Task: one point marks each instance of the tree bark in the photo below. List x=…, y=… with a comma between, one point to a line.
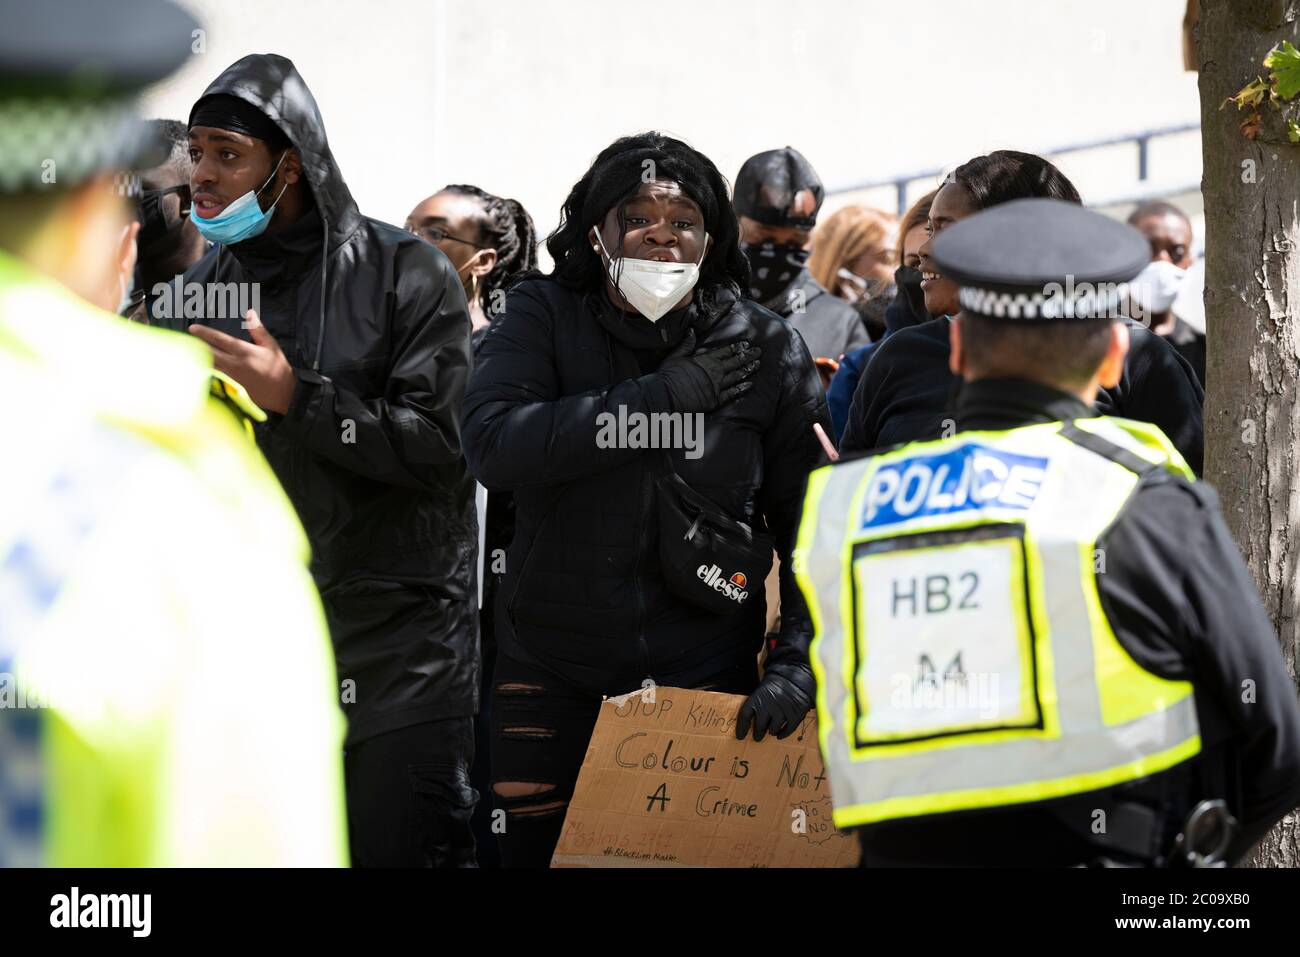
x=1252, y=291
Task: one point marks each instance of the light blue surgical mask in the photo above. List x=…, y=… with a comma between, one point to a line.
x=242, y=219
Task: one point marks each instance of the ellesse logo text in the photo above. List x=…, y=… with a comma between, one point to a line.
x=733, y=588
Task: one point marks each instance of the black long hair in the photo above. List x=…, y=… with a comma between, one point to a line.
x=505, y=226
x=614, y=178
x=1004, y=175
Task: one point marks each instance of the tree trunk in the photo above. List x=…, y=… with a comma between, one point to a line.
x=1252, y=425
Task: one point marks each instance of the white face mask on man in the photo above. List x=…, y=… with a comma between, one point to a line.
x=652, y=288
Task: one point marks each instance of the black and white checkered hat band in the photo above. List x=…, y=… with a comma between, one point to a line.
x=48, y=141
x=127, y=184
x=1068, y=300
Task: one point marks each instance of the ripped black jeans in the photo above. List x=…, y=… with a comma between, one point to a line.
x=541, y=727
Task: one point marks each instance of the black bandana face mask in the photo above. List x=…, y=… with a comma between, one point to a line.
x=772, y=267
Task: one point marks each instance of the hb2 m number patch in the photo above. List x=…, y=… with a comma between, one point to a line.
x=943, y=642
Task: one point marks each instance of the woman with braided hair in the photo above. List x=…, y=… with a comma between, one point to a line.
x=490, y=241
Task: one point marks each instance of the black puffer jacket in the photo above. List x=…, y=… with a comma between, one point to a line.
x=583, y=592
x=369, y=450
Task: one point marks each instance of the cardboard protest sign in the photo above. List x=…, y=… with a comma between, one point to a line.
x=666, y=784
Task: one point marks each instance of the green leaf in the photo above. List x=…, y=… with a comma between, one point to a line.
x=1252, y=94
x=1284, y=62
x=1292, y=131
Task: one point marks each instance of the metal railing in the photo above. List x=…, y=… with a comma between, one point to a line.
x=1142, y=139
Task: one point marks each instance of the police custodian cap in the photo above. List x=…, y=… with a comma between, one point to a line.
x=70, y=71
x=1041, y=259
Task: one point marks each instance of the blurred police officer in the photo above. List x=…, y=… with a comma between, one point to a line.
x=147, y=716
x=1036, y=643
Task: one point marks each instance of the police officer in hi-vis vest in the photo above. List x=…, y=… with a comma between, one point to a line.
x=1036, y=643
x=167, y=685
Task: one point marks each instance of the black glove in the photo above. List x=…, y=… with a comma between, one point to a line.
x=701, y=381
x=779, y=703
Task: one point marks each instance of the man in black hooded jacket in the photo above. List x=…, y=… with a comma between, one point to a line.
x=361, y=364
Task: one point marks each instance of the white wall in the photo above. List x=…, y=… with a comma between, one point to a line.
x=517, y=96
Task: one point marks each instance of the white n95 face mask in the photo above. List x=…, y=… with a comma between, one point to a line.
x=652, y=288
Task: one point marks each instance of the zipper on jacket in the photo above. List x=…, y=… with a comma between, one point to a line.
x=647, y=489
x=647, y=494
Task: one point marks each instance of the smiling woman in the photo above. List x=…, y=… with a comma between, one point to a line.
x=642, y=319
x=985, y=181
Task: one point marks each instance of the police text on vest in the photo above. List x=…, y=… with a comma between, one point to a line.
x=967, y=477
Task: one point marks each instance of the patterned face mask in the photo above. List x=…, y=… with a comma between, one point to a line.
x=772, y=267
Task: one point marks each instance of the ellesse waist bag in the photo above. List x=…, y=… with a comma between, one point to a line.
x=708, y=558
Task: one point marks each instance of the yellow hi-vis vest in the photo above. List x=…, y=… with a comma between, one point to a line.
x=167, y=685
x=962, y=655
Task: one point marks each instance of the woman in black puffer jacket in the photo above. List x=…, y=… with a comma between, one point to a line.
x=620, y=330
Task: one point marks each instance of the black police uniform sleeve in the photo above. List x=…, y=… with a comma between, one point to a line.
x=790, y=451
x=1160, y=387
x=519, y=431
x=1183, y=604
x=405, y=435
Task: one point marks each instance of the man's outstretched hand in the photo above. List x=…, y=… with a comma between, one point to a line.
x=259, y=366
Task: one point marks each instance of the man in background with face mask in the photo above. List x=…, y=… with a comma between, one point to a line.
x=168, y=244
x=1156, y=290
x=360, y=356
x=777, y=196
